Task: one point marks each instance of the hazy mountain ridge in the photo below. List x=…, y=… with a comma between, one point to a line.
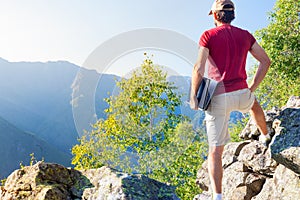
x=17, y=145
x=37, y=97
x=36, y=94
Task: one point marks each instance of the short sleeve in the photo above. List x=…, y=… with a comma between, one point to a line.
x=204, y=40
x=251, y=39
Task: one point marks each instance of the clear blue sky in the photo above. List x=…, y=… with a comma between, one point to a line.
x=70, y=30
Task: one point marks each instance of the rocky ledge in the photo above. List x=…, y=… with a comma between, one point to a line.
x=251, y=171
x=255, y=172
x=48, y=181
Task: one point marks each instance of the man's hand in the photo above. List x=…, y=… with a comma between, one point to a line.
x=193, y=102
x=264, y=63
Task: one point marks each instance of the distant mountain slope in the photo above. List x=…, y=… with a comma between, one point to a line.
x=16, y=146
x=36, y=97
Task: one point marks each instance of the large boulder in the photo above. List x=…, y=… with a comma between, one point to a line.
x=285, y=147
x=239, y=180
x=45, y=181
x=257, y=158
x=251, y=131
x=284, y=185
x=111, y=184
x=253, y=171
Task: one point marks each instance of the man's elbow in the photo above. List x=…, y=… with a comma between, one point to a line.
x=266, y=63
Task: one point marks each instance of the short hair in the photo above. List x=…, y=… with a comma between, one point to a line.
x=225, y=16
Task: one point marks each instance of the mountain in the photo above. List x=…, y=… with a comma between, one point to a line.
x=35, y=98
x=56, y=101
x=17, y=145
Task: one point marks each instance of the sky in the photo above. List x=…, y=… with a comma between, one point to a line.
x=70, y=30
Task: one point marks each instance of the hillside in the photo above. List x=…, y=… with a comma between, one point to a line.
x=251, y=171
x=16, y=147
x=35, y=98
x=39, y=98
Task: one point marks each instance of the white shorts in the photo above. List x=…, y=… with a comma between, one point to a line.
x=218, y=113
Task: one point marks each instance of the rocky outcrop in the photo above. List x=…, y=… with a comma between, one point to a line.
x=255, y=172
x=45, y=181
x=111, y=184
x=251, y=171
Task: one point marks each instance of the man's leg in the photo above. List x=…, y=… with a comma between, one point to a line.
x=215, y=169
x=258, y=115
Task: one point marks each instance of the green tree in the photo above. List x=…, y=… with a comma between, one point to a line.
x=144, y=133
x=140, y=119
x=280, y=39
x=189, y=149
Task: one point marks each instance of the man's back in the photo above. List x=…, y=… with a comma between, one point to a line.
x=228, y=47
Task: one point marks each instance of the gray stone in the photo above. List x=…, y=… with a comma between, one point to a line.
x=267, y=191
x=41, y=181
x=285, y=146
x=252, y=171
x=251, y=131
x=231, y=152
x=238, y=184
x=203, y=196
x=44, y=181
x=287, y=184
x=202, y=179
x=284, y=186
x=233, y=177
x=111, y=184
x=257, y=158
x=293, y=102
x=290, y=158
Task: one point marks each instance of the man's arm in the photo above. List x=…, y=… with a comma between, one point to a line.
x=198, y=72
x=264, y=63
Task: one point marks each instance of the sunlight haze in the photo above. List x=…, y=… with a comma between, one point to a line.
x=71, y=30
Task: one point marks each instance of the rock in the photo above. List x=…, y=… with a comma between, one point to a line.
x=203, y=196
x=202, y=179
x=293, y=102
x=252, y=171
x=257, y=158
x=284, y=186
x=44, y=181
x=251, y=131
x=111, y=184
x=290, y=158
x=229, y=182
x=231, y=152
x=243, y=185
x=285, y=147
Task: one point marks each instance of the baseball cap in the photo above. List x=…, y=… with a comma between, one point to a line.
x=219, y=5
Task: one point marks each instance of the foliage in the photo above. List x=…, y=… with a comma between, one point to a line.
x=140, y=119
x=280, y=39
x=189, y=148
x=2, y=182
x=144, y=133
x=236, y=129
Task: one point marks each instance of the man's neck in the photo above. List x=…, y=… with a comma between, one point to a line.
x=217, y=23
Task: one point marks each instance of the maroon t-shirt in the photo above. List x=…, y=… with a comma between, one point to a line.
x=228, y=48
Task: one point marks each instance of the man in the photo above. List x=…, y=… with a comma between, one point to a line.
x=225, y=49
